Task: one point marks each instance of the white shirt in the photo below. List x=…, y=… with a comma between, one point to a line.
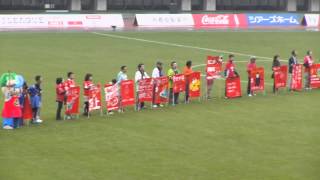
x=155, y=73
x=138, y=76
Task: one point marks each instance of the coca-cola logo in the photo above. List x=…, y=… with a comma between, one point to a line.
x=211, y=20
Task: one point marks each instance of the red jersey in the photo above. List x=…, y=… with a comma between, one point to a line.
x=69, y=83
x=230, y=69
x=250, y=67
x=60, y=92
x=87, y=86
x=309, y=61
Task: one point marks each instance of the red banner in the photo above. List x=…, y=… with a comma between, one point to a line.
x=280, y=76
x=145, y=90
x=72, y=104
x=214, y=67
x=315, y=76
x=127, y=93
x=112, y=96
x=233, y=87
x=257, y=79
x=179, y=83
x=194, y=86
x=95, y=98
x=219, y=20
x=161, y=90
x=297, y=77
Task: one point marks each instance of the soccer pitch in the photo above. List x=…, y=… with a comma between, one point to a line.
x=262, y=137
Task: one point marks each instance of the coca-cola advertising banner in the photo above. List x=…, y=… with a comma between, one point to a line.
x=220, y=20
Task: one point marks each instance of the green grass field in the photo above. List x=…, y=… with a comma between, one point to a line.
x=264, y=137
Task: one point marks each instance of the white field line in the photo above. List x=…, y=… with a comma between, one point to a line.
x=264, y=59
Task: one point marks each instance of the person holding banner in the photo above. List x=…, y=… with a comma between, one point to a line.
x=171, y=72
x=122, y=75
x=212, y=73
x=275, y=63
x=292, y=61
x=60, y=95
x=156, y=73
x=35, y=92
x=307, y=63
x=87, y=87
x=230, y=70
x=69, y=83
x=140, y=74
x=250, y=66
x=187, y=71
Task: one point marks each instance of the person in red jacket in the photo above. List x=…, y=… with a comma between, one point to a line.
x=60, y=96
x=230, y=70
x=250, y=66
x=307, y=62
x=87, y=87
x=69, y=83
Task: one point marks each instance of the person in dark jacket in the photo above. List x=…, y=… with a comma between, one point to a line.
x=275, y=63
x=292, y=61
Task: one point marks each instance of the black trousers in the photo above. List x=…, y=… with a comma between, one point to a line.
x=59, y=109
x=174, y=96
x=249, y=86
x=86, y=108
x=187, y=92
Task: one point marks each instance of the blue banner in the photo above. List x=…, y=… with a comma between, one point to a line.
x=282, y=19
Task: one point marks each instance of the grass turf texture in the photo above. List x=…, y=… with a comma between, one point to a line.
x=265, y=137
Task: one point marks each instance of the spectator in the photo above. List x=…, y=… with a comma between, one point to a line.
x=292, y=61
x=307, y=63
x=156, y=73
x=173, y=97
x=35, y=92
x=140, y=74
x=87, y=87
x=187, y=71
x=251, y=65
x=275, y=63
x=60, y=95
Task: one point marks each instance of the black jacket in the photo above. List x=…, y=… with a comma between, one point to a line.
x=292, y=61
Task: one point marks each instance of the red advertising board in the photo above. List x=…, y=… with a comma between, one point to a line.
x=257, y=79
x=219, y=20
x=95, y=98
x=214, y=67
x=233, y=87
x=127, y=93
x=179, y=83
x=195, y=84
x=145, y=90
x=112, y=96
x=315, y=76
x=297, y=77
x=72, y=104
x=161, y=90
x=280, y=76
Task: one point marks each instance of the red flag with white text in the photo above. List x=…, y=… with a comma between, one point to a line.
x=161, y=90
x=296, y=83
x=112, y=96
x=127, y=93
x=145, y=90
x=73, y=100
x=233, y=87
x=179, y=83
x=315, y=76
x=95, y=98
x=280, y=76
x=214, y=67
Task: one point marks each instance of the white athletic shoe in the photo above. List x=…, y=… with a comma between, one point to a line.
x=7, y=127
x=249, y=95
x=38, y=121
x=161, y=105
x=155, y=106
